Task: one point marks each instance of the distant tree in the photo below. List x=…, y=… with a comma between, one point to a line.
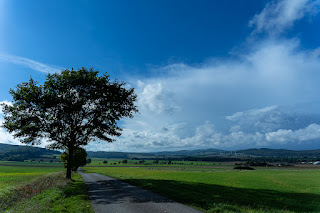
x=70, y=109
x=125, y=161
x=88, y=160
x=79, y=158
x=105, y=162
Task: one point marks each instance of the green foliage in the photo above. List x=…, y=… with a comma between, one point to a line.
x=71, y=109
x=79, y=158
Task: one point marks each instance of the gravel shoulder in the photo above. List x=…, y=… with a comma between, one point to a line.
x=112, y=195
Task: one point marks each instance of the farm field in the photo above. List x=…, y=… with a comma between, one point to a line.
x=217, y=187
x=15, y=174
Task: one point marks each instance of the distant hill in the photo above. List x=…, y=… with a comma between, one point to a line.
x=212, y=153
x=264, y=152
x=166, y=154
x=20, y=153
x=199, y=152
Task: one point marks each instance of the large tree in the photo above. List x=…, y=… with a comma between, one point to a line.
x=69, y=110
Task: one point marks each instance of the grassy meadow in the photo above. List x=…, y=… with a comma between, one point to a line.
x=217, y=187
x=40, y=187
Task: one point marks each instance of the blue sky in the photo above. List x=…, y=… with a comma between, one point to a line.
x=208, y=74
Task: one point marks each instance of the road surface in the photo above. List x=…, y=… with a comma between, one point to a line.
x=111, y=195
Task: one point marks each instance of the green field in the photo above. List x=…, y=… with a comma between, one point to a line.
x=15, y=174
x=217, y=187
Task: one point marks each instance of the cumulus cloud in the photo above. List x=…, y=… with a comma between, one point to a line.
x=310, y=132
x=278, y=16
x=154, y=97
x=35, y=65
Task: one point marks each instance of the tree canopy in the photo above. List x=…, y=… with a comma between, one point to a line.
x=79, y=158
x=70, y=109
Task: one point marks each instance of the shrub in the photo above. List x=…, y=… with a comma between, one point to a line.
x=244, y=167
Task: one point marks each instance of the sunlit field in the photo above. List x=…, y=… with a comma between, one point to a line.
x=218, y=187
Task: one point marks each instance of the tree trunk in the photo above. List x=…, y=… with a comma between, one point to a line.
x=69, y=163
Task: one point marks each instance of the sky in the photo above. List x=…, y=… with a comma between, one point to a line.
x=208, y=74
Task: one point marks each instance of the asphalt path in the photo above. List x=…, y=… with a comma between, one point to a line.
x=112, y=195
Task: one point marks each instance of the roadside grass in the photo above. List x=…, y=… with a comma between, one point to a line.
x=72, y=197
x=40, y=187
x=12, y=177
x=227, y=190
x=12, y=196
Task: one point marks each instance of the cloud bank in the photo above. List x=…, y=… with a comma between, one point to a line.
x=266, y=96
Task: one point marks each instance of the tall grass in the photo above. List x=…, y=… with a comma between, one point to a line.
x=70, y=196
x=38, y=185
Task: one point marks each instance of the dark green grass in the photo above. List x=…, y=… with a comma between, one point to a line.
x=71, y=197
x=225, y=190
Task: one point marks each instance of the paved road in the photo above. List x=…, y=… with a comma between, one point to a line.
x=111, y=195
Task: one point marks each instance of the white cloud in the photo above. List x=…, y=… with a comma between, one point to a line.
x=34, y=65
x=155, y=98
x=251, y=113
x=278, y=16
x=310, y=132
x=6, y=137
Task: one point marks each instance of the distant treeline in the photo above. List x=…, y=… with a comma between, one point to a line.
x=281, y=153
x=21, y=153
x=214, y=154
x=102, y=154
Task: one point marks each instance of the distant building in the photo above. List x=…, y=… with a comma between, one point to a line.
x=316, y=163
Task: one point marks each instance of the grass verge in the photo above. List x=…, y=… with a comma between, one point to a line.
x=67, y=196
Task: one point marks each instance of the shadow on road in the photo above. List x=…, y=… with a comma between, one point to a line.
x=114, y=191
x=207, y=196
